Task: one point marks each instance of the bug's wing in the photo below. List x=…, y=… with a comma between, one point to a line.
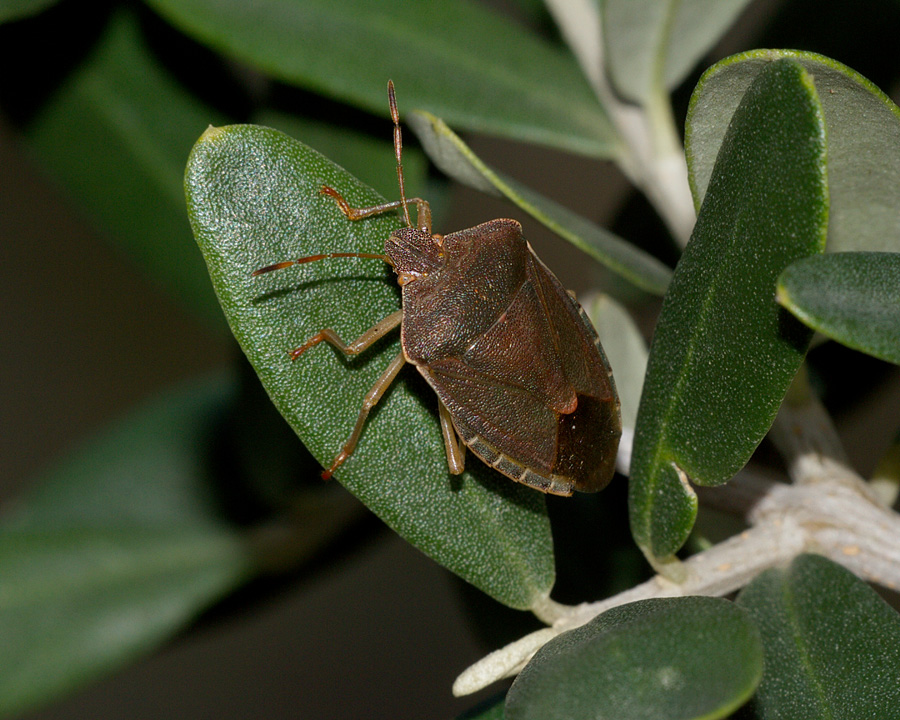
x=504, y=424
x=532, y=395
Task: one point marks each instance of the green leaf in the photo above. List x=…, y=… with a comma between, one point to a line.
x=863, y=133
x=456, y=59
x=18, y=9
x=853, y=298
x=724, y=353
x=253, y=198
x=116, y=134
x=652, y=45
x=455, y=158
x=117, y=550
x=693, y=657
x=832, y=645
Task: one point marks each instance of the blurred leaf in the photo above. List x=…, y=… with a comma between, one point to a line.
x=455, y=158
x=652, y=45
x=253, y=198
x=458, y=60
x=853, y=298
x=116, y=551
x=724, y=353
x=18, y=9
x=832, y=646
x=678, y=658
x=116, y=134
x=862, y=130
x=625, y=349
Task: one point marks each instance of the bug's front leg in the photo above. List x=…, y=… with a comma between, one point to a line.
x=423, y=209
x=367, y=339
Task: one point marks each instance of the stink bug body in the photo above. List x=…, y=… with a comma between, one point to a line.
x=516, y=365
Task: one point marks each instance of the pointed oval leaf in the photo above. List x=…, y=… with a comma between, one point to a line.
x=853, y=298
x=116, y=551
x=832, y=645
x=253, y=198
x=863, y=133
x=456, y=59
x=652, y=45
x=456, y=159
x=116, y=133
x=724, y=352
x=680, y=658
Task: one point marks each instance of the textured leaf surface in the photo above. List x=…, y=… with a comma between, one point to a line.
x=863, y=133
x=853, y=298
x=253, y=197
x=470, y=66
x=694, y=657
x=116, y=134
x=120, y=548
x=724, y=352
x=653, y=44
x=455, y=158
x=832, y=645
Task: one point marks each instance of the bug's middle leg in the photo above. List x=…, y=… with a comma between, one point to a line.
x=371, y=399
x=367, y=339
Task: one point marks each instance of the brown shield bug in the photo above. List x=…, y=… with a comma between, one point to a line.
x=517, y=367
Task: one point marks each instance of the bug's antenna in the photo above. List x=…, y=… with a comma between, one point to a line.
x=398, y=147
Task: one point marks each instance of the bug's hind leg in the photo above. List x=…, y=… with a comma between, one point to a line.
x=456, y=451
x=371, y=399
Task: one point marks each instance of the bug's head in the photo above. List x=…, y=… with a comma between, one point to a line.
x=414, y=253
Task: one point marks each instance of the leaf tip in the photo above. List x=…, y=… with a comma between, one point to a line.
x=210, y=134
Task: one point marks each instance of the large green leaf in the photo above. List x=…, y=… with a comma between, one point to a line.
x=652, y=45
x=694, y=657
x=853, y=298
x=117, y=550
x=863, y=129
x=832, y=646
x=724, y=353
x=116, y=134
x=464, y=63
x=253, y=197
x=455, y=158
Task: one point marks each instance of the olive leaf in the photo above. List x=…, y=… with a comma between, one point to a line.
x=832, y=645
x=853, y=298
x=652, y=45
x=116, y=550
x=455, y=158
x=254, y=199
x=685, y=658
x=116, y=133
x=863, y=129
x=456, y=59
x=724, y=353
